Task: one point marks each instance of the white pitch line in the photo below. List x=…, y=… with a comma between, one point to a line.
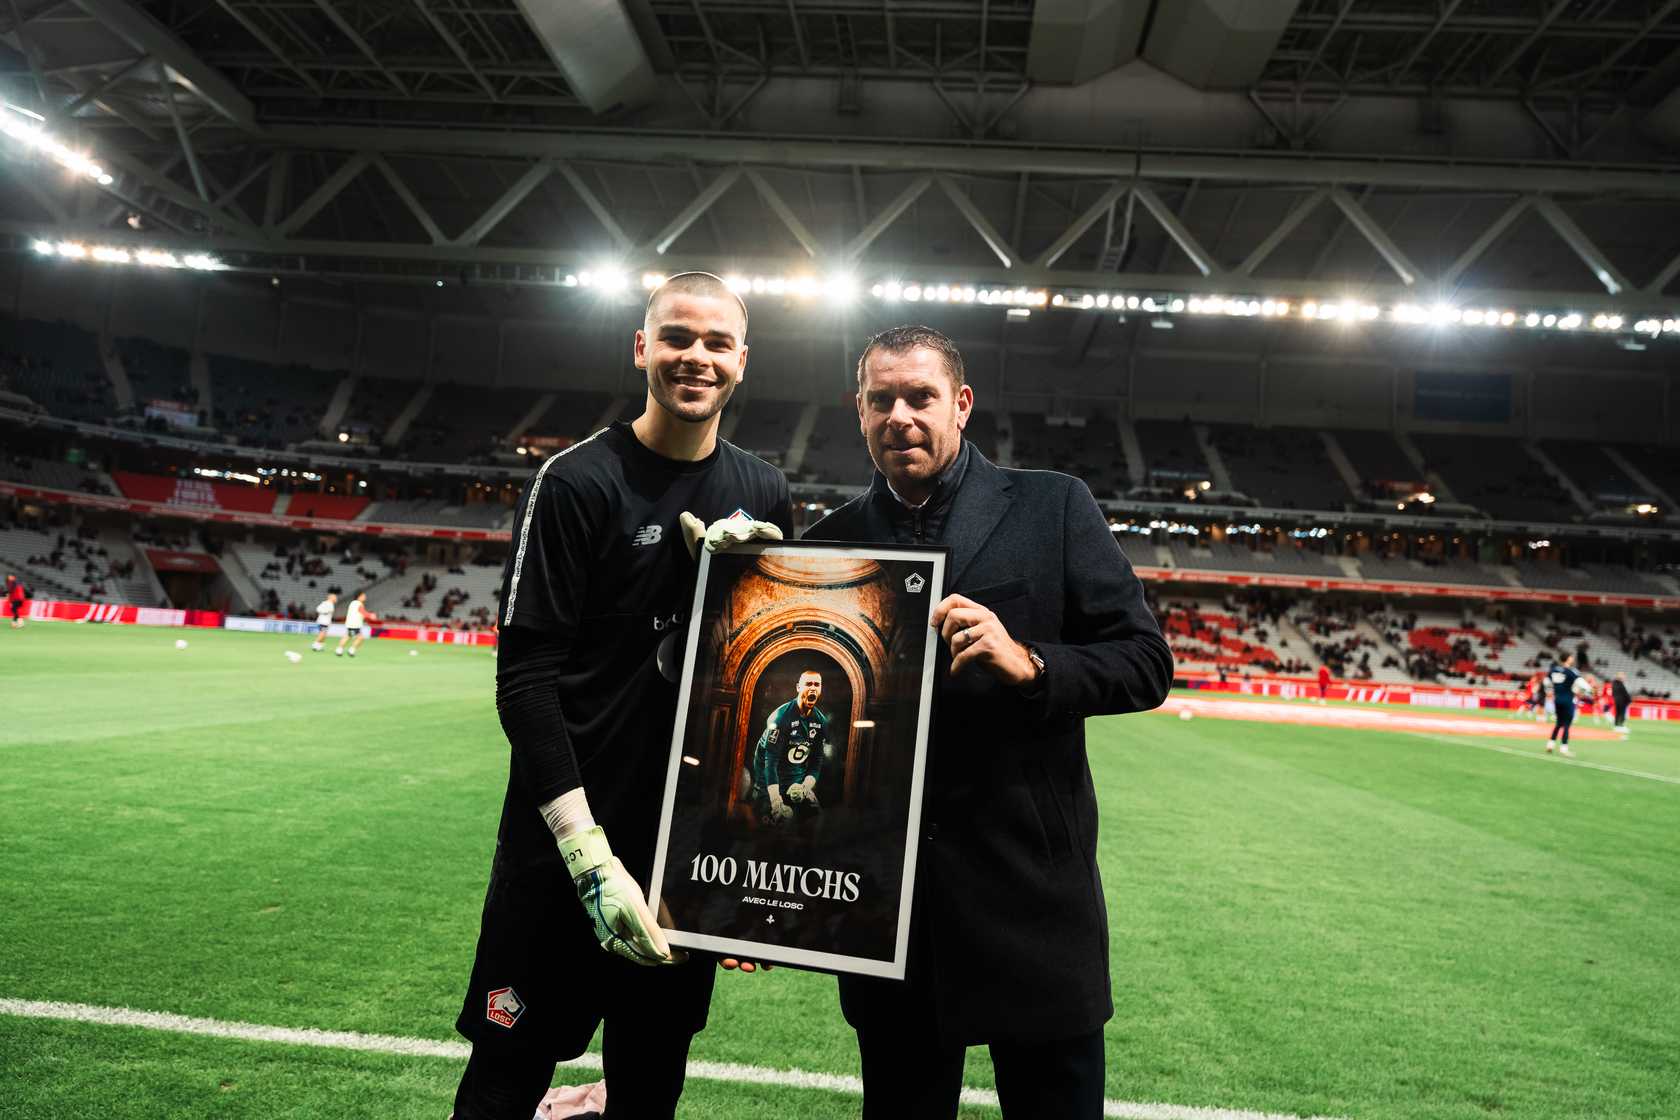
x=430, y=1048
x=1460, y=742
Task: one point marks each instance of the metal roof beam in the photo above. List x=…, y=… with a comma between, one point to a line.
x=889, y=214
x=503, y=206
x=269, y=44
x=785, y=214
x=691, y=213
x=1482, y=244
x=999, y=158
x=1372, y=232
x=420, y=213
x=1290, y=222
x=325, y=193
x=1000, y=248
x=1069, y=236
x=360, y=43
x=133, y=24
x=596, y=207
x=455, y=48
x=1585, y=248
x=1199, y=256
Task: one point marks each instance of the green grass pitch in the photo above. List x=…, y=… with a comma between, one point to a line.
x=1304, y=920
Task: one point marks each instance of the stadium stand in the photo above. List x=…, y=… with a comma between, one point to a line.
x=1343, y=639
x=1235, y=638
x=1084, y=443
x=1612, y=578
x=571, y=415
x=1497, y=475
x=1594, y=472
x=1400, y=570
x=1469, y=648
x=294, y=575
x=1226, y=556
x=57, y=367
x=375, y=403
x=461, y=423
x=157, y=372
x=1659, y=464
x=1169, y=446
x=982, y=430
x=60, y=557
x=766, y=428
x=1378, y=460
x=265, y=405
x=440, y=511
x=1647, y=652
x=460, y=595
x=1284, y=468
x=835, y=454
x=54, y=475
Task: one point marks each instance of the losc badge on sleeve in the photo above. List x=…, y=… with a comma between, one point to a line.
x=793, y=795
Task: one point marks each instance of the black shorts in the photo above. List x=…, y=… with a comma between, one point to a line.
x=352, y=631
x=17, y=607
x=542, y=983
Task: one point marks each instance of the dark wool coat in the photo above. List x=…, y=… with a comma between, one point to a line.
x=1012, y=930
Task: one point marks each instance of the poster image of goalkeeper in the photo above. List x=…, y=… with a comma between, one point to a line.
x=792, y=802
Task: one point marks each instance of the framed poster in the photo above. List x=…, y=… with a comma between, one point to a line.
x=793, y=799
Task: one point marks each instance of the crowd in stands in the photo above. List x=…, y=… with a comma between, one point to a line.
x=1336, y=639
x=1237, y=638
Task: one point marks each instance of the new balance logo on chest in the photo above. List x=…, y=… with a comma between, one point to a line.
x=648, y=534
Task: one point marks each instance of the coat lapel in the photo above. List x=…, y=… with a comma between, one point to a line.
x=980, y=504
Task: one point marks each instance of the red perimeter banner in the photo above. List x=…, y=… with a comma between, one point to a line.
x=194, y=493
x=57, y=610
x=1374, y=692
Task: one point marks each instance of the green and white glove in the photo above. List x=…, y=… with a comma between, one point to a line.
x=613, y=900
x=779, y=810
x=724, y=534
x=808, y=793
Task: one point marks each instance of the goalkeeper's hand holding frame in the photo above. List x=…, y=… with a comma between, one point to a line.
x=611, y=897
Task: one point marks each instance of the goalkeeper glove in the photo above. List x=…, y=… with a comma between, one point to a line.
x=808, y=792
x=613, y=900
x=725, y=533
x=779, y=810
x=796, y=793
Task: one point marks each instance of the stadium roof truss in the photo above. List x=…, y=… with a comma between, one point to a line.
x=475, y=140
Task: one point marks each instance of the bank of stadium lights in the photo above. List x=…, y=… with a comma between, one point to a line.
x=29, y=128
x=115, y=254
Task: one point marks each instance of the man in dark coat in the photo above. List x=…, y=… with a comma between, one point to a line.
x=1043, y=624
x=1620, y=699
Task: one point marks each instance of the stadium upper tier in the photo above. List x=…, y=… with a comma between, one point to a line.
x=68, y=372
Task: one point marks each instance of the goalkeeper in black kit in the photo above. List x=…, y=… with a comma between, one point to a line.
x=788, y=760
x=594, y=598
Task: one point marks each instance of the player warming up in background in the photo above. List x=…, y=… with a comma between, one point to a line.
x=789, y=757
x=354, y=616
x=1565, y=684
x=594, y=600
x=16, y=593
x=323, y=620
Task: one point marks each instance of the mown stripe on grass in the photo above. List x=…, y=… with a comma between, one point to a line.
x=432, y=1048
x=1458, y=741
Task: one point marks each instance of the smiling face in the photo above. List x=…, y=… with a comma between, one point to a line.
x=912, y=416
x=694, y=350
x=808, y=691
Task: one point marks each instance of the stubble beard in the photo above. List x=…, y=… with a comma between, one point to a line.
x=666, y=398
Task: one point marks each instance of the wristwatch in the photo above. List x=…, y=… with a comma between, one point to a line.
x=1032, y=686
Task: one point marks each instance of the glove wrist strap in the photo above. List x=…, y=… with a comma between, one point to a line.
x=585, y=851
